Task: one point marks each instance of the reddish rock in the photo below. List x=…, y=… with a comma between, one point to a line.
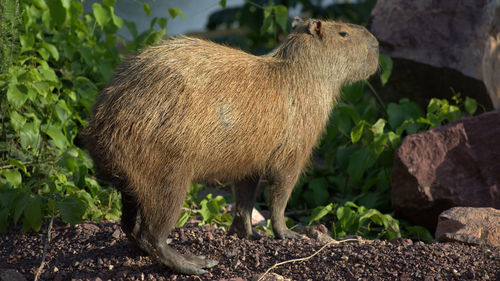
x=435, y=46
x=449, y=34
x=469, y=225
x=454, y=165
x=491, y=69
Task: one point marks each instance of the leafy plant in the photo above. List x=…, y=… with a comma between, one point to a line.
x=55, y=58
x=209, y=210
x=351, y=219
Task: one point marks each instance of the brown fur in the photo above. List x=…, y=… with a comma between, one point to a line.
x=189, y=110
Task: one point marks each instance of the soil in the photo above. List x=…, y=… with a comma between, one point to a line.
x=100, y=251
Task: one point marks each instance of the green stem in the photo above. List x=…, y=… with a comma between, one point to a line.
x=379, y=100
x=255, y=4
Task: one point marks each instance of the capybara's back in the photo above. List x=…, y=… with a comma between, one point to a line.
x=191, y=110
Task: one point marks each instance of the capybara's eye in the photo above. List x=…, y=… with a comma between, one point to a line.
x=344, y=34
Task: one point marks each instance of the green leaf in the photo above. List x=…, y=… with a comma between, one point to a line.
x=349, y=111
x=162, y=23
x=353, y=92
x=359, y=161
x=18, y=164
x=17, y=121
x=174, y=12
x=268, y=20
x=57, y=12
x=56, y=134
x=62, y=111
x=281, y=16
x=33, y=215
x=419, y=233
x=67, y=3
x=205, y=211
x=319, y=212
x=213, y=207
x=222, y=3
x=386, y=65
x=40, y=4
x=147, y=9
x=51, y=49
x=106, y=69
x=13, y=176
x=117, y=21
x=319, y=187
x=72, y=209
x=378, y=127
x=131, y=28
x=357, y=132
x=395, y=139
x=17, y=95
x=470, y=105
x=4, y=219
x=434, y=105
x=110, y=3
x=30, y=136
x=48, y=74
x=101, y=14
x=183, y=219
x=27, y=42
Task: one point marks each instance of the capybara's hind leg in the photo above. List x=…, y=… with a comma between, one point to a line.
x=131, y=220
x=159, y=214
x=163, y=253
x=244, y=195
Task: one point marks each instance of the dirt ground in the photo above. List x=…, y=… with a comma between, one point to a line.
x=100, y=251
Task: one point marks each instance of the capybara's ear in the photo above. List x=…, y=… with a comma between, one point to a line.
x=297, y=21
x=315, y=28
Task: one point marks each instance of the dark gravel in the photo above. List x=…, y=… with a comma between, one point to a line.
x=99, y=251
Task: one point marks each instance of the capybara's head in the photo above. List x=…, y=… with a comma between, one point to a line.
x=347, y=51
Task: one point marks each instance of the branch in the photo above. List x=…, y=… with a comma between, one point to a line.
x=45, y=249
x=304, y=259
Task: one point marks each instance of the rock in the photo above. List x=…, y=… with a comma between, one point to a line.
x=258, y=218
x=319, y=233
x=491, y=69
x=89, y=228
x=11, y=275
x=449, y=166
x=469, y=225
x=435, y=45
x=455, y=34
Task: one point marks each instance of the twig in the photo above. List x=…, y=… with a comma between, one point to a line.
x=45, y=249
x=304, y=259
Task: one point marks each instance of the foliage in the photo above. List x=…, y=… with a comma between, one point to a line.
x=265, y=22
x=209, y=210
x=351, y=219
x=54, y=59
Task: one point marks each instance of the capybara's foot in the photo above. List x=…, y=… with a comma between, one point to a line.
x=287, y=233
x=200, y=261
x=241, y=227
x=186, y=264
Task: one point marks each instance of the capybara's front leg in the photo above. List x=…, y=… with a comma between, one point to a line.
x=244, y=195
x=280, y=188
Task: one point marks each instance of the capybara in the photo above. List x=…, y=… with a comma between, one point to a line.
x=189, y=110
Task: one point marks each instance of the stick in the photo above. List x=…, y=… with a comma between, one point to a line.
x=45, y=249
x=304, y=259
